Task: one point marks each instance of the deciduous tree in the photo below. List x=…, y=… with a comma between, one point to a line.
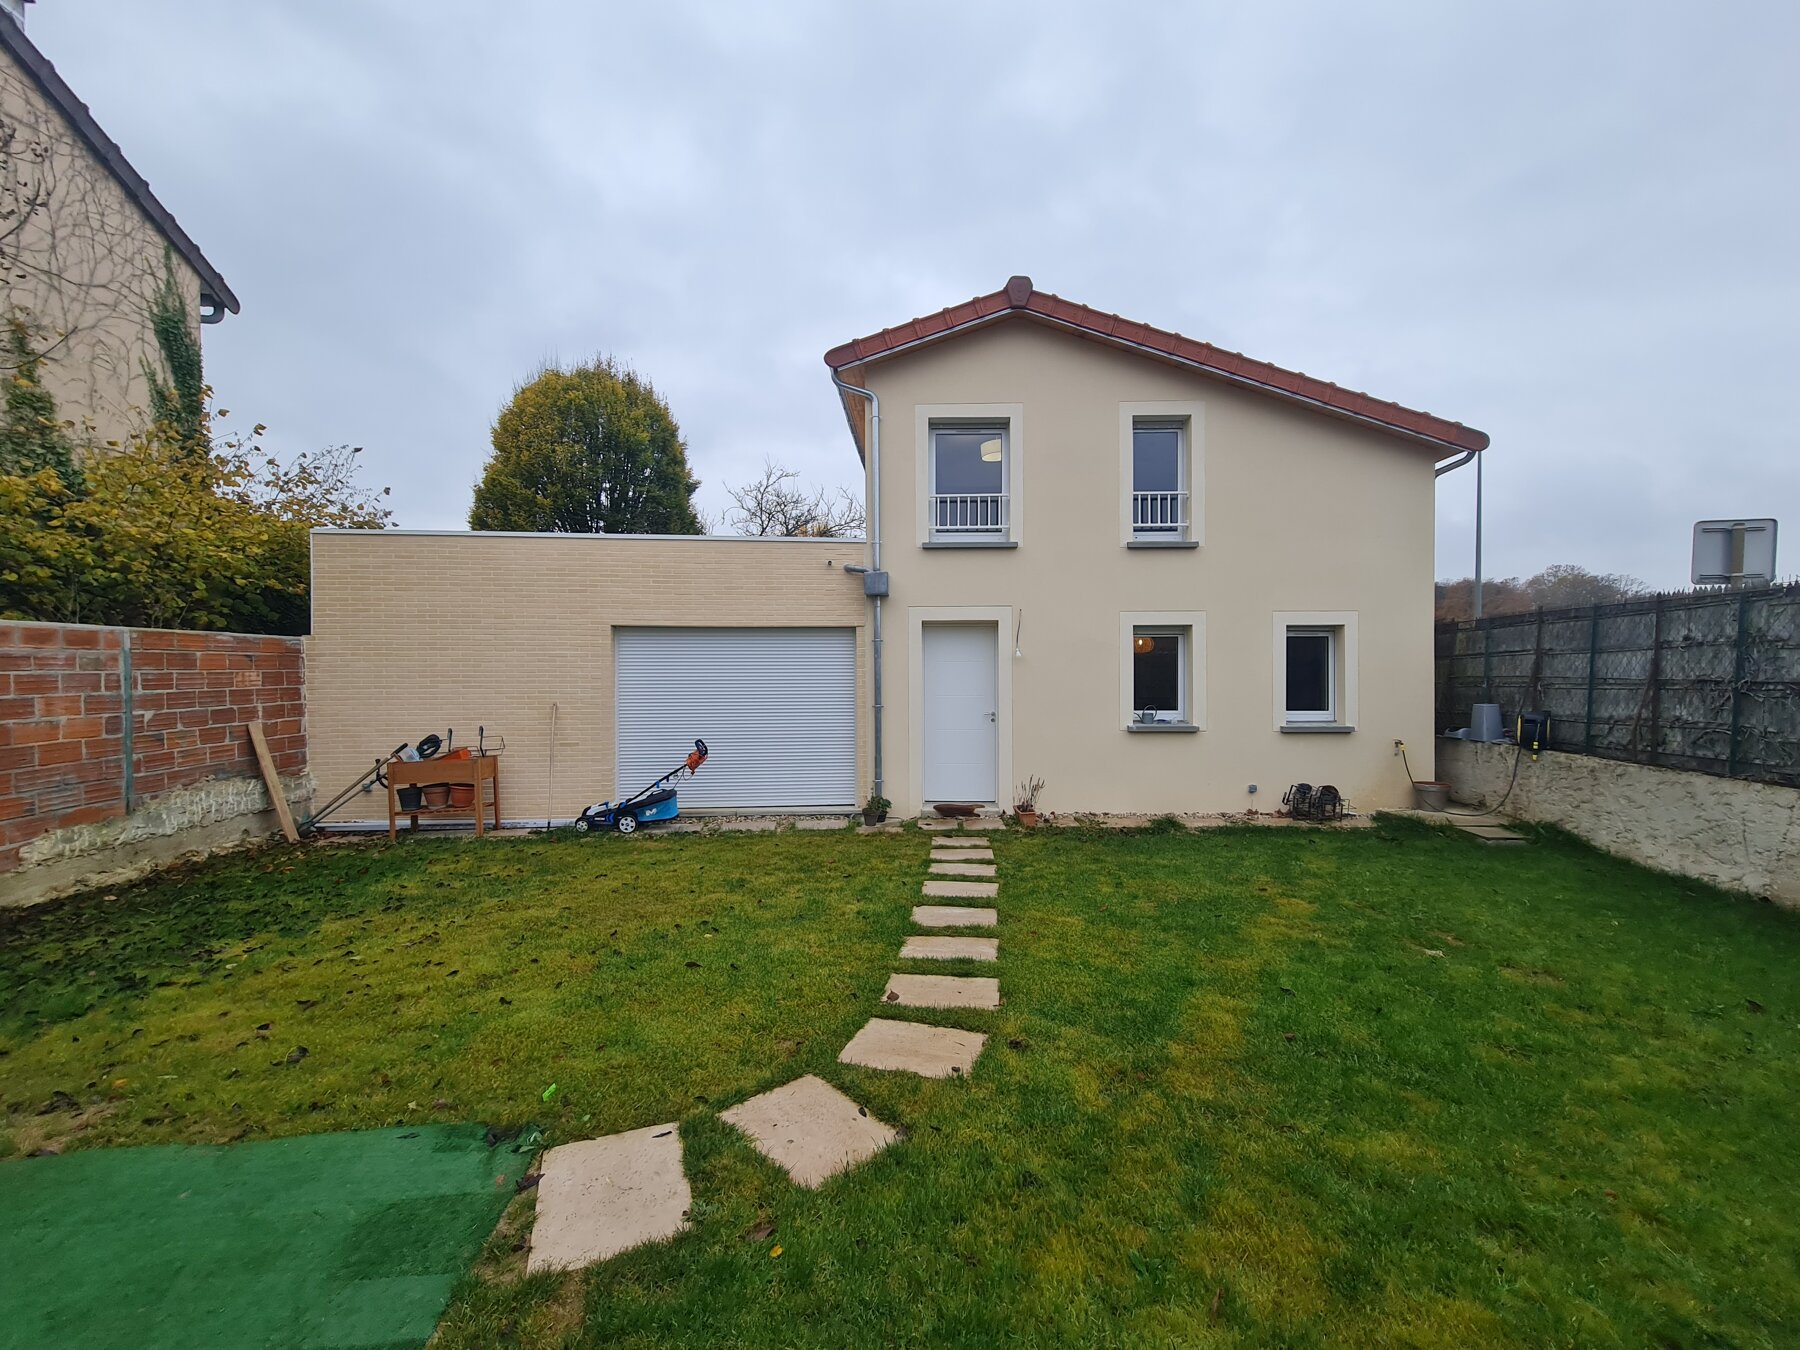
x=774, y=503
x=163, y=537
x=1559, y=586
x=588, y=450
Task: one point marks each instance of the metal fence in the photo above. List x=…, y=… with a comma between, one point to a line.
x=1708, y=681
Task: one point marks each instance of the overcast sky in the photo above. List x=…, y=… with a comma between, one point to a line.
x=1573, y=226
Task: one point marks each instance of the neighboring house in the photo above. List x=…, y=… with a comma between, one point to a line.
x=1149, y=571
x=84, y=244
x=1161, y=576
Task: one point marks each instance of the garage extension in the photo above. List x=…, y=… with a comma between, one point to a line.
x=600, y=658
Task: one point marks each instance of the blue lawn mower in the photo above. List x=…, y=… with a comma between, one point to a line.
x=648, y=806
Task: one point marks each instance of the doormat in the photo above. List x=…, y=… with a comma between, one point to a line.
x=321, y=1241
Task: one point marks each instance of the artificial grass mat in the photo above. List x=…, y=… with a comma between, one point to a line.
x=321, y=1240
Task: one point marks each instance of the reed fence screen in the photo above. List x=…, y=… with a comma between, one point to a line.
x=1707, y=681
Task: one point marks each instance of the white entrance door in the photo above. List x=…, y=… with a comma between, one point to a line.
x=960, y=703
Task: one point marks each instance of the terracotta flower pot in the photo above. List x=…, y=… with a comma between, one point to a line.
x=1027, y=815
x=462, y=794
x=437, y=794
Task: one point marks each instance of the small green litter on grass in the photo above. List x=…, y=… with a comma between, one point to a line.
x=323, y=1240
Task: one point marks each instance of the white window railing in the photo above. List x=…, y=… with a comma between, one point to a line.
x=1159, y=513
x=960, y=515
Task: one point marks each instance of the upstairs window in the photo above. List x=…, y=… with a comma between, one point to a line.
x=1159, y=488
x=969, y=483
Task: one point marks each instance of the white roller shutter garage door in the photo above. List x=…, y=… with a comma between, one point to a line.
x=776, y=706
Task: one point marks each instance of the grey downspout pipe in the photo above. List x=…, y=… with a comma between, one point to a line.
x=1451, y=467
x=874, y=550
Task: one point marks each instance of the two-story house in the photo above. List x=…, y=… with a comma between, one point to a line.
x=1153, y=573
x=1161, y=576
x=84, y=246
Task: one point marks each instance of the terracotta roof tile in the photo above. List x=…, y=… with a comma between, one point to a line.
x=1018, y=295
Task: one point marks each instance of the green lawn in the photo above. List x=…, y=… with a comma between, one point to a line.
x=1249, y=1087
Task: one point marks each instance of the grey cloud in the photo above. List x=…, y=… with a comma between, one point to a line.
x=1568, y=225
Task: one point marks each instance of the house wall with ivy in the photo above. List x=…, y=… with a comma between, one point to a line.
x=82, y=264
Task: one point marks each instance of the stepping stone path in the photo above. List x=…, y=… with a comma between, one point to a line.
x=599, y=1197
x=942, y=991
x=960, y=890
x=913, y=1047
x=810, y=1129
x=953, y=916
x=962, y=869
x=920, y=948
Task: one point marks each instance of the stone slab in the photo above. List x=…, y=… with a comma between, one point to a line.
x=810, y=1130
x=819, y=822
x=1490, y=832
x=953, y=916
x=911, y=1047
x=965, y=855
x=600, y=1197
x=942, y=991
x=936, y=825
x=963, y=869
x=961, y=841
x=960, y=890
x=937, y=948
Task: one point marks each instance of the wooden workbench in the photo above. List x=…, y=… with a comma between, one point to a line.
x=480, y=771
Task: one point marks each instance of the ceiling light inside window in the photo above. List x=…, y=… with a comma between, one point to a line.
x=990, y=450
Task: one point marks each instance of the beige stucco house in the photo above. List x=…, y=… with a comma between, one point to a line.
x=84, y=243
x=1160, y=576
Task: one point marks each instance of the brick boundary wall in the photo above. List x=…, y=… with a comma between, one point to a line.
x=103, y=725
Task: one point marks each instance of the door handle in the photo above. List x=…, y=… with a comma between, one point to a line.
x=992, y=718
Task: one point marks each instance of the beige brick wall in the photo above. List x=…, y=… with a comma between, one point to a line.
x=416, y=632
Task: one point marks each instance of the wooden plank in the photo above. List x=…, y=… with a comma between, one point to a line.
x=272, y=781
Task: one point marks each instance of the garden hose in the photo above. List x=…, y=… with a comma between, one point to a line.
x=1518, y=754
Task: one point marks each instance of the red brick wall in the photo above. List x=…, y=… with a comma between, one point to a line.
x=62, y=718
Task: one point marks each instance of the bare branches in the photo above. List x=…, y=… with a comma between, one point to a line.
x=81, y=259
x=775, y=504
x=1556, y=587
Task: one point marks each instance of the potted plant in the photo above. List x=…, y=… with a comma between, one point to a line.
x=1025, y=805
x=875, y=809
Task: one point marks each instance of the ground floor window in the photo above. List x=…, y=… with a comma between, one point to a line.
x=1312, y=674
x=1162, y=670
x=1159, y=675
x=1315, y=671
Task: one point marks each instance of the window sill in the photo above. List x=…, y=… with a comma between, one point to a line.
x=970, y=543
x=1315, y=729
x=1165, y=728
x=1162, y=543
